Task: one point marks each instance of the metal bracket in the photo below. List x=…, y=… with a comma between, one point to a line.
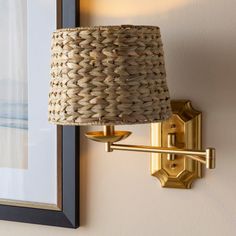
x=176, y=146
x=182, y=130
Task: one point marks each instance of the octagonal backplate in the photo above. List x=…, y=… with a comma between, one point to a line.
x=185, y=123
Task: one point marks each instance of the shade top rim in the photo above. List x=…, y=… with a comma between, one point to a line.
x=107, y=27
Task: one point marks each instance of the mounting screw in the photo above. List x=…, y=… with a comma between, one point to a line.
x=172, y=166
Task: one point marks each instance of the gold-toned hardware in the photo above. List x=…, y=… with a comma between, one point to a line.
x=210, y=158
x=202, y=156
x=186, y=124
x=99, y=136
x=176, y=146
x=176, y=151
x=109, y=130
x=171, y=142
x=173, y=165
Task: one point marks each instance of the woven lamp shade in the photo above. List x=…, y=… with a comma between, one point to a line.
x=108, y=75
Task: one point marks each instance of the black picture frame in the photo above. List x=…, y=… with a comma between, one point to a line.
x=68, y=15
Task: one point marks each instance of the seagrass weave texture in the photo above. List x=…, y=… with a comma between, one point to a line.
x=108, y=75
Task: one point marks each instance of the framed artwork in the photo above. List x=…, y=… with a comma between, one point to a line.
x=39, y=162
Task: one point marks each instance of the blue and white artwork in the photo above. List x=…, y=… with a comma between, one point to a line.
x=13, y=84
x=28, y=143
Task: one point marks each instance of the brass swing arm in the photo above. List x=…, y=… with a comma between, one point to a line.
x=206, y=157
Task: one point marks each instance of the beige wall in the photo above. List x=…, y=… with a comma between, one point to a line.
x=118, y=195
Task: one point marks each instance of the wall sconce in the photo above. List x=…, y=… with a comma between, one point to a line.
x=115, y=75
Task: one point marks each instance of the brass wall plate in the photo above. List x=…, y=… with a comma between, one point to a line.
x=186, y=124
